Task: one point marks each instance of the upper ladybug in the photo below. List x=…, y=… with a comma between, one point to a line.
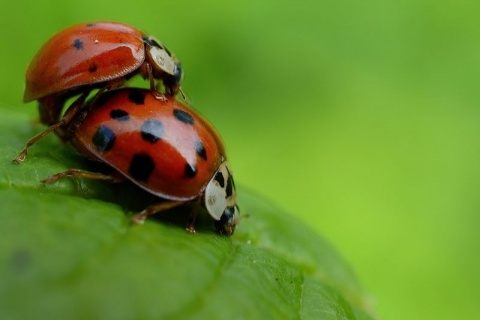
x=96, y=55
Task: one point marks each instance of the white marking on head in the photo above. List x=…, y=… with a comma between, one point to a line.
x=162, y=60
x=220, y=192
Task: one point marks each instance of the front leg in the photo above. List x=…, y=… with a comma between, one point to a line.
x=139, y=218
x=147, y=72
x=70, y=114
x=76, y=173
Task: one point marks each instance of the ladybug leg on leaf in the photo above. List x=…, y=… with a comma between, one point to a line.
x=139, y=218
x=76, y=173
x=69, y=115
x=191, y=218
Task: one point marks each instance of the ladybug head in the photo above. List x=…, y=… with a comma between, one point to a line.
x=164, y=63
x=228, y=221
x=173, y=82
x=220, y=200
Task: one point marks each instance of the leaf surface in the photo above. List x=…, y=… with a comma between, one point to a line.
x=70, y=251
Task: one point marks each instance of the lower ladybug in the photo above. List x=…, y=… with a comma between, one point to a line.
x=87, y=56
x=163, y=146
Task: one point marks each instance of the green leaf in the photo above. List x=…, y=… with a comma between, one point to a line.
x=68, y=250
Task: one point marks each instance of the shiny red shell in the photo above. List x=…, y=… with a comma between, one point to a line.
x=163, y=146
x=84, y=54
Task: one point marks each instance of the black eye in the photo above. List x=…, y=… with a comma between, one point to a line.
x=178, y=73
x=152, y=42
x=227, y=223
x=228, y=215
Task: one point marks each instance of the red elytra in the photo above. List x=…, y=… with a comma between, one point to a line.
x=163, y=146
x=95, y=55
x=83, y=54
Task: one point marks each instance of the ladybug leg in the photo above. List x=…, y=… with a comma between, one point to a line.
x=59, y=126
x=150, y=76
x=191, y=218
x=111, y=85
x=97, y=95
x=50, y=108
x=139, y=218
x=158, y=95
x=76, y=173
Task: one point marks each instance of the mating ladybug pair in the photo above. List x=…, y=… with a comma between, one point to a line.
x=148, y=137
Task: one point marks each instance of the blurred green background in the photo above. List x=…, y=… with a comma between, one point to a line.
x=359, y=117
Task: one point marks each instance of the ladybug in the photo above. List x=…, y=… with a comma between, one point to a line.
x=95, y=55
x=162, y=146
x=100, y=55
